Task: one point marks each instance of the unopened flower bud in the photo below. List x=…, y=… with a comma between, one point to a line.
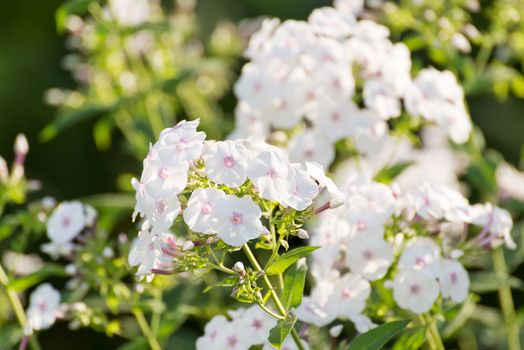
x=456, y=254
x=71, y=269
x=90, y=215
x=336, y=330
x=48, y=203
x=302, y=233
x=122, y=238
x=139, y=288
x=21, y=148
x=108, y=252
x=239, y=268
x=188, y=245
x=395, y=189
x=4, y=172
x=28, y=329
x=336, y=202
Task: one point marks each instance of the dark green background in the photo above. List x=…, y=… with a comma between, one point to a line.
x=70, y=166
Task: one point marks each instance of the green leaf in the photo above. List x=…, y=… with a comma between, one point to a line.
x=287, y=259
x=23, y=283
x=71, y=117
x=102, y=134
x=10, y=336
x=484, y=282
x=294, y=282
x=279, y=333
x=139, y=343
x=376, y=338
x=388, y=174
x=124, y=201
x=516, y=257
x=411, y=340
x=226, y=282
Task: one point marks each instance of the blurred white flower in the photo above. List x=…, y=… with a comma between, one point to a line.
x=454, y=280
x=368, y=256
x=421, y=254
x=510, y=181
x=44, y=307
x=66, y=222
x=415, y=290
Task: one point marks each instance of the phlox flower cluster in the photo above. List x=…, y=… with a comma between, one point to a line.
x=245, y=328
x=215, y=187
x=334, y=77
x=410, y=242
x=66, y=222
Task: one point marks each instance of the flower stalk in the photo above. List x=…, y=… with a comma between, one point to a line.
x=433, y=335
x=274, y=295
x=506, y=300
x=17, y=307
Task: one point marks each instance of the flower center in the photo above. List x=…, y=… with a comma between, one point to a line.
x=162, y=173
x=271, y=173
x=335, y=116
x=160, y=206
x=454, y=278
x=420, y=262
x=66, y=222
x=229, y=161
x=232, y=340
x=361, y=226
x=236, y=219
x=181, y=145
x=308, y=153
x=327, y=58
x=414, y=289
x=367, y=254
x=41, y=306
x=345, y=293
x=206, y=208
x=257, y=324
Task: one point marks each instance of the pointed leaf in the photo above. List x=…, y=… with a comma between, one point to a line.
x=294, y=282
x=376, y=338
x=22, y=283
x=279, y=333
x=388, y=174
x=287, y=259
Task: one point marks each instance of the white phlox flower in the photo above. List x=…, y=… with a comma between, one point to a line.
x=44, y=307
x=421, y=254
x=415, y=290
x=453, y=280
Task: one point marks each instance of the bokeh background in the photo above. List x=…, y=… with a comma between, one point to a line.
x=70, y=166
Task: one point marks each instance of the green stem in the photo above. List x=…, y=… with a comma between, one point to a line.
x=434, y=339
x=144, y=327
x=274, y=294
x=17, y=307
x=156, y=316
x=506, y=300
x=219, y=265
x=269, y=312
